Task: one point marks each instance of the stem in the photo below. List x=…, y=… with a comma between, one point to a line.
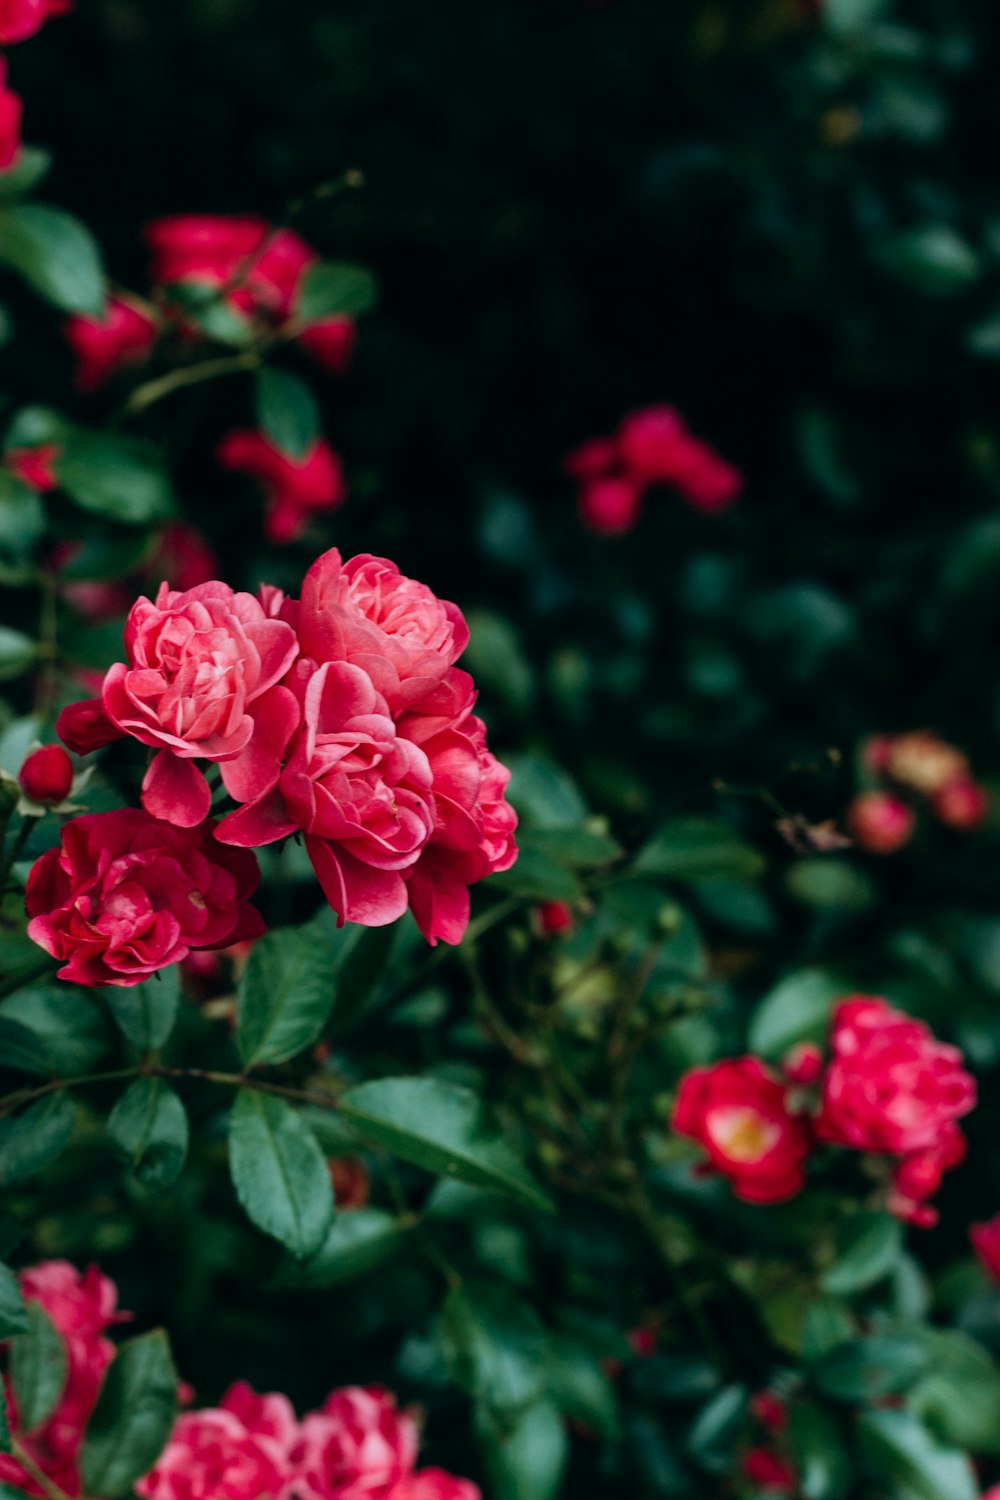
x=20, y=839
x=158, y=1070
x=45, y=1484
x=48, y=644
x=151, y=391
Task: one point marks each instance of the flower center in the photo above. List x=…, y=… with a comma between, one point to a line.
x=742, y=1133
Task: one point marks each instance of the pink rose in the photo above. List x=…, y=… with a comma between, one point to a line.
x=124, y=336
x=202, y=670
x=962, y=803
x=356, y=1447
x=986, y=1243
x=270, y=1418
x=361, y=794
x=435, y=1484
x=294, y=487
x=20, y=19
x=891, y=1086
x=212, y=1455
x=473, y=833
x=609, y=505
x=82, y=1308
x=366, y=612
x=739, y=1113
x=330, y=342
x=125, y=894
x=651, y=443
x=10, y=120
x=880, y=823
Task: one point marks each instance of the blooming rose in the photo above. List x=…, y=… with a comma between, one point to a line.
x=891, y=1086
x=213, y=1455
x=356, y=1447
x=918, y=1177
x=986, y=1243
x=10, y=121
x=20, y=19
x=739, y=1112
x=200, y=681
x=360, y=792
x=365, y=611
x=125, y=894
x=123, y=335
x=294, y=487
x=961, y=803
x=261, y=267
x=82, y=1308
x=269, y=1418
x=655, y=447
x=35, y=466
x=802, y=1064
x=880, y=823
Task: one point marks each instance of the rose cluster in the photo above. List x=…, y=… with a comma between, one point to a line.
x=888, y=1088
x=82, y=1308
x=340, y=716
x=913, y=771
x=19, y=19
x=357, y=1446
x=652, y=446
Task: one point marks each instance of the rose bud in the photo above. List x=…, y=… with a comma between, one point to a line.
x=961, y=804
x=986, y=1243
x=554, y=917
x=351, y=1182
x=880, y=823
x=802, y=1064
x=875, y=753
x=47, y=775
x=768, y=1471
x=769, y=1410
x=609, y=505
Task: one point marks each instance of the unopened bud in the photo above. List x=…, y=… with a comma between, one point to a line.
x=47, y=775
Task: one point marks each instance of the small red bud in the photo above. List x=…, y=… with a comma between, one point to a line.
x=47, y=775
x=802, y=1064
x=880, y=823
x=769, y=1410
x=553, y=917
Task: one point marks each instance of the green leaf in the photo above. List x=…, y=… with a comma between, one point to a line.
x=66, y=1021
x=357, y=1242
x=442, y=1127
x=495, y=1344
x=574, y=847
x=35, y=1138
x=797, y=1010
x=361, y=957
x=869, y=1246
x=904, y=1455
x=55, y=254
x=818, y=1451
x=21, y=1050
x=525, y=1459
x=713, y=1436
x=864, y=1369
x=580, y=1388
x=287, y=411
x=285, y=995
x=146, y=1012
x=28, y=169
x=133, y=1417
x=38, y=1367
x=496, y=657
x=537, y=877
x=543, y=793
x=848, y=17
x=279, y=1172
x=122, y=478
x=932, y=259
x=22, y=516
x=335, y=289
x=959, y=1397
x=13, y=1314
x=695, y=848
x=211, y=314
x=830, y=884
x=148, y=1128
x=17, y=652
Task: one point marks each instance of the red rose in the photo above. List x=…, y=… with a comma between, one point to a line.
x=211, y=1455
x=610, y=504
x=20, y=19
x=739, y=1112
x=260, y=266
x=651, y=442
x=434, y=1484
x=961, y=803
x=330, y=342
x=10, y=119
x=124, y=336
x=986, y=1243
x=35, y=466
x=891, y=1086
x=356, y=1447
x=47, y=775
x=125, y=894
x=768, y=1471
x=294, y=487
x=918, y=1177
